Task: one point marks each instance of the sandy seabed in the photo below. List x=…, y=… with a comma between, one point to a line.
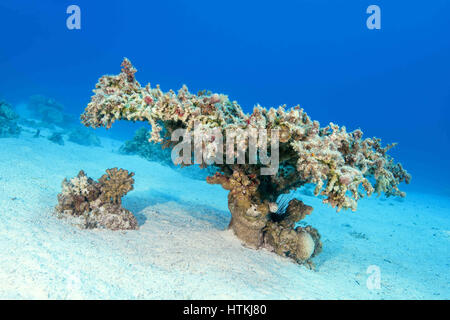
x=182, y=249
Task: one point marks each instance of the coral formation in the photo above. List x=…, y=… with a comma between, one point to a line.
x=8, y=121
x=343, y=166
x=282, y=236
x=115, y=183
x=46, y=109
x=84, y=137
x=37, y=133
x=141, y=146
x=56, y=137
x=49, y=112
x=97, y=204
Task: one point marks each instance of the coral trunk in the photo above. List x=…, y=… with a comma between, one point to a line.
x=257, y=227
x=246, y=222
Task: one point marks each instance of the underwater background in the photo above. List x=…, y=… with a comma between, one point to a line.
x=393, y=83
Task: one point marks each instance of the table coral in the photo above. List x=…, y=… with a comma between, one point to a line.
x=98, y=204
x=343, y=166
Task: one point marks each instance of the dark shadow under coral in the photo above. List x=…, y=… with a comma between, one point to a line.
x=136, y=202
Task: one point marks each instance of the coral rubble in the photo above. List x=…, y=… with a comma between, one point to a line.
x=343, y=166
x=46, y=109
x=97, y=204
x=8, y=121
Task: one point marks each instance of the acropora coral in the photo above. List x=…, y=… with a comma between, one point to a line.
x=343, y=166
x=8, y=121
x=97, y=204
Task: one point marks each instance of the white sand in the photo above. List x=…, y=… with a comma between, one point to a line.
x=181, y=250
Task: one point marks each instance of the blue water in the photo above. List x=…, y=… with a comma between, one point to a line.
x=393, y=83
